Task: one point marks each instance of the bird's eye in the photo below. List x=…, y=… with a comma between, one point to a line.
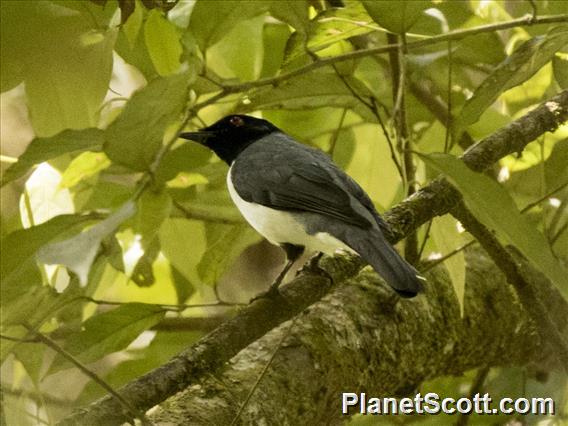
x=236, y=121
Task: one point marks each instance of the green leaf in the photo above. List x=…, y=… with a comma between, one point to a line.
x=109, y=332
x=185, y=158
x=153, y=208
x=183, y=243
x=329, y=27
x=226, y=58
x=18, y=263
x=66, y=63
x=294, y=12
x=43, y=149
x=86, y=243
x=163, y=42
x=224, y=244
x=135, y=137
x=33, y=307
x=493, y=206
x=523, y=63
x=312, y=90
x=275, y=37
x=163, y=347
x=396, y=16
x=83, y=166
x=184, y=288
x=132, y=24
x=447, y=238
x=210, y=21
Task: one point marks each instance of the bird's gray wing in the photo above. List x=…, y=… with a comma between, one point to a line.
x=285, y=175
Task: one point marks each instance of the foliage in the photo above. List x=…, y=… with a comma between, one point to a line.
x=148, y=225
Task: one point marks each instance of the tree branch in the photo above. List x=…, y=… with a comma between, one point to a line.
x=210, y=353
x=547, y=328
x=362, y=340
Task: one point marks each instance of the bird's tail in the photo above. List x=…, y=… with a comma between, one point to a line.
x=397, y=272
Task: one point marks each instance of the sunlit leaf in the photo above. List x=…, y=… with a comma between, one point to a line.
x=240, y=54
x=109, y=332
x=447, y=238
x=163, y=42
x=183, y=243
x=83, y=166
x=135, y=137
x=523, y=63
x=329, y=27
x=493, y=206
x=43, y=149
x=86, y=243
x=153, y=208
x=43, y=199
x=210, y=21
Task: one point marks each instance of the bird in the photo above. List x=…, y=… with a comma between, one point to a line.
x=296, y=197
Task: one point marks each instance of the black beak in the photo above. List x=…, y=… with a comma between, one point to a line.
x=200, y=136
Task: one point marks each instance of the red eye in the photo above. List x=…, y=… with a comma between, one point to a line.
x=237, y=121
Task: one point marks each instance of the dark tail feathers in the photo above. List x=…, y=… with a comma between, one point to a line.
x=397, y=272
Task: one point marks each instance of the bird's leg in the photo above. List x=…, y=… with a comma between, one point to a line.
x=293, y=253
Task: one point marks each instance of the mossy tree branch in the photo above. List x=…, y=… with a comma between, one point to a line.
x=210, y=353
x=361, y=339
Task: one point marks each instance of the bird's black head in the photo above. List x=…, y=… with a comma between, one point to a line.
x=231, y=135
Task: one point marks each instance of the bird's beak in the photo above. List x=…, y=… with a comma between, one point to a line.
x=200, y=136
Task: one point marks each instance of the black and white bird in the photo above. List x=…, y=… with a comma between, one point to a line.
x=297, y=198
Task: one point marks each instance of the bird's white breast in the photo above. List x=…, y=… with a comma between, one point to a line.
x=279, y=226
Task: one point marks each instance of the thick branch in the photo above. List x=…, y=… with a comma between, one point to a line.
x=438, y=197
x=526, y=291
x=357, y=340
x=211, y=352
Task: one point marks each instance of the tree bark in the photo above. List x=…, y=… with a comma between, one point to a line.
x=210, y=353
x=361, y=339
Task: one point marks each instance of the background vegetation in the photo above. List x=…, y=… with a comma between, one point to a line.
x=120, y=246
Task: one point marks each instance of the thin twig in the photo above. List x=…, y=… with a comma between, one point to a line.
x=476, y=388
x=555, y=237
x=373, y=107
x=544, y=197
x=449, y=118
x=206, y=215
x=454, y=35
x=167, y=307
x=129, y=407
x=335, y=133
x=39, y=398
x=425, y=240
x=447, y=256
x=19, y=339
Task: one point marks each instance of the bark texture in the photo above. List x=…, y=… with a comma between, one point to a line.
x=361, y=339
x=211, y=353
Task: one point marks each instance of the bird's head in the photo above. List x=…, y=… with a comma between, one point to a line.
x=231, y=134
